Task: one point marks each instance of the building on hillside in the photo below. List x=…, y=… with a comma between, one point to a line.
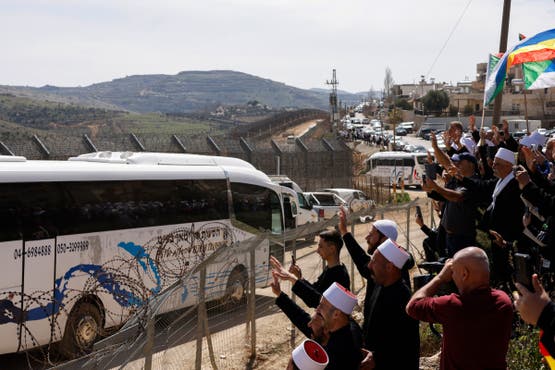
x=467, y=97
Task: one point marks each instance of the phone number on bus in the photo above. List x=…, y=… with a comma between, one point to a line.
x=46, y=250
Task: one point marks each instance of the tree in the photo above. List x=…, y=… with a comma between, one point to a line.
x=403, y=104
x=388, y=83
x=435, y=101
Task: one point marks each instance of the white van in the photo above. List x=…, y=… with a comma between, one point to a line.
x=391, y=167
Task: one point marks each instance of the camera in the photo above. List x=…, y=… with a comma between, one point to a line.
x=524, y=268
x=418, y=212
x=431, y=170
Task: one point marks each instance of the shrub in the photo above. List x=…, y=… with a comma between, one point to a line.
x=523, y=348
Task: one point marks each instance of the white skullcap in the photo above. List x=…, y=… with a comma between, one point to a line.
x=394, y=253
x=506, y=155
x=309, y=355
x=387, y=227
x=341, y=298
x=534, y=138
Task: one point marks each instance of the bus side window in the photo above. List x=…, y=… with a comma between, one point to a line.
x=257, y=206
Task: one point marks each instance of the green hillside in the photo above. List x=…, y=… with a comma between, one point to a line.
x=190, y=91
x=24, y=114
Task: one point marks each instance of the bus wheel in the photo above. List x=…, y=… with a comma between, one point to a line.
x=83, y=327
x=236, y=288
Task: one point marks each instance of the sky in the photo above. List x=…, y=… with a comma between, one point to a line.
x=297, y=42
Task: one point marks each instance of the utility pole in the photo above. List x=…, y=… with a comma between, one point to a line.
x=502, y=48
x=334, y=112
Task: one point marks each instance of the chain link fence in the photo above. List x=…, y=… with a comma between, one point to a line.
x=245, y=329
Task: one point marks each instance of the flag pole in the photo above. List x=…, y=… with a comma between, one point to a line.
x=525, y=101
x=526, y=113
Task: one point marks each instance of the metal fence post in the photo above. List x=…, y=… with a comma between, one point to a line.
x=408, y=229
x=252, y=303
x=149, y=345
x=352, y=262
x=200, y=319
x=293, y=297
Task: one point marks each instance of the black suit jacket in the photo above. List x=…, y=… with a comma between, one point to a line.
x=506, y=216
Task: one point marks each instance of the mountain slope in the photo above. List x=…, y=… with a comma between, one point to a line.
x=185, y=92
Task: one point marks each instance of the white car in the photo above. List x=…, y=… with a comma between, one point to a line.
x=355, y=199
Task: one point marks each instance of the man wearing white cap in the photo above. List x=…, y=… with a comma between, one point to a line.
x=343, y=348
x=391, y=336
x=337, y=332
x=380, y=231
x=504, y=208
x=308, y=355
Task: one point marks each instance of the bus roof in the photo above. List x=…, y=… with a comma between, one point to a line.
x=131, y=166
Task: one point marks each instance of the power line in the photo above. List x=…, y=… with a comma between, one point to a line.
x=448, y=38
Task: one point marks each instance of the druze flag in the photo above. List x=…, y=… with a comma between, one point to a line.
x=536, y=53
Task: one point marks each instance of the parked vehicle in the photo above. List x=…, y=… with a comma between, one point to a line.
x=326, y=204
x=408, y=126
x=297, y=210
x=415, y=148
x=355, y=199
x=399, y=131
x=391, y=167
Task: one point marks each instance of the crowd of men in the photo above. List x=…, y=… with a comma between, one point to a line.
x=486, y=180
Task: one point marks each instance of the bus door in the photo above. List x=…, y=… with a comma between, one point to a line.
x=11, y=303
x=38, y=291
x=39, y=211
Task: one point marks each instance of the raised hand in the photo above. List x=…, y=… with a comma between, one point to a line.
x=497, y=238
x=280, y=271
x=342, y=225
x=531, y=304
x=276, y=288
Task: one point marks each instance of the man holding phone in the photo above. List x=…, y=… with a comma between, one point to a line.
x=329, y=248
x=461, y=209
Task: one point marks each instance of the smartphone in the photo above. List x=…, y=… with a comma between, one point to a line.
x=501, y=133
x=423, y=178
x=524, y=268
x=418, y=212
x=431, y=170
x=293, y=259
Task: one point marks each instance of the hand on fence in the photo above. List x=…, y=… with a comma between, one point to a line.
x=276, y=288
x=531, y=304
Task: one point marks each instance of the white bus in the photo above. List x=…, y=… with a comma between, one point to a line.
x=391, y=167
x=84, y=242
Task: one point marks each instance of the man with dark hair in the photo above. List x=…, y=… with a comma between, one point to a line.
x=329, y=247
x=476, y=322
x=461, y=206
